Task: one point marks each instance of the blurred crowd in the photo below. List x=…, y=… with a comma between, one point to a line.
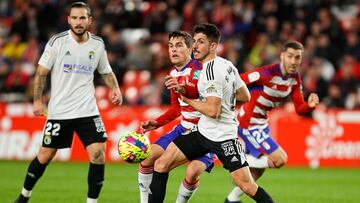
x=135, y=35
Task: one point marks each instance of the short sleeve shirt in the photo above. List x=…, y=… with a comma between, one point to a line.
x=220, y=78
x=72, y=67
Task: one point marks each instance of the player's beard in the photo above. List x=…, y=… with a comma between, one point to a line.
x=79, y=33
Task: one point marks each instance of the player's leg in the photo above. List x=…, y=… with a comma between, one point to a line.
x=57, y=134
x=173, y=156
x=232, y=156
x=258, y=143
x=35, y=170
x=91, y=132
x=191, y=181
x=236, y=192
x=146, y=167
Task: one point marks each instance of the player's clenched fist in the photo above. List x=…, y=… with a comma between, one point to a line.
x=313, y=100
x=148, y=125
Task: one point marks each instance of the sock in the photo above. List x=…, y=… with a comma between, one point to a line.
x=91, y=200
x=235, y=194
x=95, y=180
x=261, y=162
x=186, y=190
x=144, y=178
x=34, y=172
x=261, y=196
x=158, y=187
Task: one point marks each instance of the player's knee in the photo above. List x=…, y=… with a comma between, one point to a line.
x=161, y=165
x=98, y=157
x=280, y=161
x=45, y=156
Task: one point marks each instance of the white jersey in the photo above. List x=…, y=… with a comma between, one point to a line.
x=72, y=68
x=220, y=78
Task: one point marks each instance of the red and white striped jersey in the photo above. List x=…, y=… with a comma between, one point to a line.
x=268, y=88
x=188, y=77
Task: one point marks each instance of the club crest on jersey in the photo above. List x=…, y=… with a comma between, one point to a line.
x=91, y=55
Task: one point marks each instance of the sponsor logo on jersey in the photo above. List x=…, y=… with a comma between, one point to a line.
x=78, y=68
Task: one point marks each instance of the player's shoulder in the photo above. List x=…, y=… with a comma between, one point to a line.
x=96, y=38
x=224, y=66
x=58, y=38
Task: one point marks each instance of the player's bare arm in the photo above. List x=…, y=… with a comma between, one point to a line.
x=313, y=100
x=243, y=94
x=39, y=84
x=211, y=107
x=115, y=93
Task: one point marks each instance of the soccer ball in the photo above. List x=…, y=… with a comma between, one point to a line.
x=134, y=147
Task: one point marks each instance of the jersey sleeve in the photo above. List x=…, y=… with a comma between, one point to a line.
x=213, y=81
x=301, y=106
x=49, y=55
x=172, y=113
x=257, y=76
x=104, y=65
x=239, y=83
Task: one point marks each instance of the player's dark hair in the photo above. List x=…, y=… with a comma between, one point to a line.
x=187, y=37
x=80, y=4
x=210, y=30
x=294, y=45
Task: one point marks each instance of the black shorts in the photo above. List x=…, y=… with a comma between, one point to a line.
x=59, y=133
x=230, y=152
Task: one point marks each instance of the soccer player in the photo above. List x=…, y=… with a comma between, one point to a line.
x=269, y=86
x=219, y=87
x=183, y=79
x=72, y=57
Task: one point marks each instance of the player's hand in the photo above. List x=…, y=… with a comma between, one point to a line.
x=184, y=99
x=313, y=100
x=38, y=108
x=116, y=96
x=148, y=125
x=172, y=83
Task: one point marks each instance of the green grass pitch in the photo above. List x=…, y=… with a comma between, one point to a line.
x=66, y=182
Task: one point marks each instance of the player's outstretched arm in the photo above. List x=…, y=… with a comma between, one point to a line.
x=39, y=84
x=115, y=93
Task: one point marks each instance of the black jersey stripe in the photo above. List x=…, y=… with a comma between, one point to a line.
x=60, y=35
x=207, y=72
x=212, y=70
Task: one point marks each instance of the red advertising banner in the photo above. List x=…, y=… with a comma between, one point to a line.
x=331, y=138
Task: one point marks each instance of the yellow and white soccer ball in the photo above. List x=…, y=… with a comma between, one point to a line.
x=134, y=147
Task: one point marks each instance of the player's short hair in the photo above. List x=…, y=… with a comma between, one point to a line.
x=294, y=45
x=187, y=37
x=80, y=4
x=210, y=30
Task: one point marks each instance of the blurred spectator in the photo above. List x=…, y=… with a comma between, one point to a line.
x=135, y=33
